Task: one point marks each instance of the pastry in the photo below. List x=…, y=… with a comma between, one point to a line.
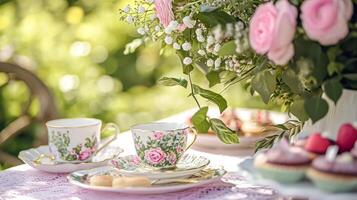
x=317, y=145
x=101, y=180
x=346, y=138
x=336, y=175
x=283, y=163
x=135, y=181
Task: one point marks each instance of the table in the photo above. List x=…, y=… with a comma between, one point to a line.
x=24, y=183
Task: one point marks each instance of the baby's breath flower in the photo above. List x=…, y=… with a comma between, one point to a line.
x=126, y=9
x=210, y=40
x=168, y=39
x=217, y=63
x=149, y=1
x=186, y=46
x=187, y=61
x=200, y=38
x=141, y=9
x=141, y=31
x=171, y=27
x=157, y=28
x=217, y=47
x=176, y=46
x=152, y=17
x=129, y=19
x=201, y=52
x=210, y=62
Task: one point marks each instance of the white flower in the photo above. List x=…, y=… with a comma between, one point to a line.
x=146, y=28
x=186, y=46
x=210, y=62
x=141, y=9
x=217, y=32
x=201, y=52
x=187, y=60
x=200, y=38
x=152, y=17
x=198, y=31
x=188, y=22
x=157, y=28
x=217, y=63
x=171, y=27
x=126, y=9
x=149, y=1
x=176, y=46
x=141, y=31
x=129, y=19
x=217, y=47
x=168, y=39
x=210, y=40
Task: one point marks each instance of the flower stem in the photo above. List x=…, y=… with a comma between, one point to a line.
x=192, y=93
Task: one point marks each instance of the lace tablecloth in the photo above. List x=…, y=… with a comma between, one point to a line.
x=24, y=183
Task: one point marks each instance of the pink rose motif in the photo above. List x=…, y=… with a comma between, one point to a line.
x=171, y=158
x=135, y=160
x=326, y=21
x=179, y=149
x=155, y=156
x=272, y=29
x=164, y=11
x=158, y=135
x=84, y=155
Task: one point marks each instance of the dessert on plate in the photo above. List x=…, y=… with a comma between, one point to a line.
x=283, y=163
x=337, y=174
x=317, y=145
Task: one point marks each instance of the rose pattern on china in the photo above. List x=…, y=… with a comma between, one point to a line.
x=161, y=149
x=80, y=152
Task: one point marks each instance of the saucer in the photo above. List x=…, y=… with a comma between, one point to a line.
x=80, y=179
x=101, y=159
x=131, y=165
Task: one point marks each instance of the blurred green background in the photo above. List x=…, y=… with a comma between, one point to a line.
x=76, y=48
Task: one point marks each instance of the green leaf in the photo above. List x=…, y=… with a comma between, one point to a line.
x=167, y=81
x=298, y=110
x=264, y=83
x=212, y=96
x=225, y=134
x=291, y=79
x=215, y=17
x=186, y=69
x=228, y=48
x=316, y=108
x=334, y=67
x=213, y=78
x=333, y=89
x=199, y=120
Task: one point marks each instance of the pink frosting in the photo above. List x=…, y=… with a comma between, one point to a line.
x=347, y=168
x=285, y=154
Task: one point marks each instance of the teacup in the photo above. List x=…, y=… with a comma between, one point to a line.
x=76, y=140
x=161, y=145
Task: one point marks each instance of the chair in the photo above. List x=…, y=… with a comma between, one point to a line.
x=38, y=90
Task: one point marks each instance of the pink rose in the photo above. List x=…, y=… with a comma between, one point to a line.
x=164, y=11
x=326, y=21
x=84, y=155
x=272, y=30
x=171, y=158
x=158, y=135
x=155, y=155
x=135, y=160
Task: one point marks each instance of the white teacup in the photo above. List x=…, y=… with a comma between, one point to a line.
x=76, y=140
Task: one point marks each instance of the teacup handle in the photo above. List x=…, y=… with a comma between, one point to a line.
x=194, y=132
x=112, y=138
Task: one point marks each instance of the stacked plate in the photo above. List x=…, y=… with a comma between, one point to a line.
x=190, y=171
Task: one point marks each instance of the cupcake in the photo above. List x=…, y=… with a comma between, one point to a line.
x=317, y=145
x=336, y=175
x=283, y=163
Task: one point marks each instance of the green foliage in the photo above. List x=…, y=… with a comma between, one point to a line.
x=264, y=83
x=199, y=120
x=215, y=17
x=225, y=134
x=213, y=78
x=333, y=89
x=228, y=48
x=166, y=81
x=211, y=96
x=316, y=108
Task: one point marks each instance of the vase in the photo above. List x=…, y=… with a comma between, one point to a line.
x=344, y=111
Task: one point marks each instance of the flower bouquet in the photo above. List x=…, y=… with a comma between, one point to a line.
x=287, y=51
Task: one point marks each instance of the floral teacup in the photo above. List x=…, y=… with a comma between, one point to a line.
x=161, y=145
x=76, y=140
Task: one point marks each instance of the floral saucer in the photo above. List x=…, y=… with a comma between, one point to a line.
x=81, y=179
x=131, y=165
x=31, y=157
